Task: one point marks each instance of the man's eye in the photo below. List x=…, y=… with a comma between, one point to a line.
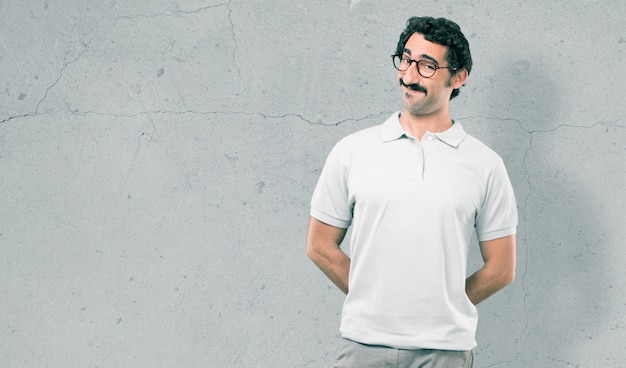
x=406, y=60
x=429, y=66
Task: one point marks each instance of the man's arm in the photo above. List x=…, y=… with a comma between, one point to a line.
x=322, y=246
x=497, y=272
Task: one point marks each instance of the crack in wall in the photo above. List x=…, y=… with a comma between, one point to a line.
x=371, y=116
x=173, y=13
x=187, y=12
x=244, y=113
x=17, y=117
x=185, y=112
x=615, y=123
x=236, y=46
x=78, y=57
x=502, y=362
x=57, y=80
x=563, y=361
x=525, y=232
x=130, y=17
x=232, y=31
x=612, y=123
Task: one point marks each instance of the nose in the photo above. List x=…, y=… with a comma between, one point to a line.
x=411, y=75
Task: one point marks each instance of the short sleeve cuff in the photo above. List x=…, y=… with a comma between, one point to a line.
x=491, y=235
x=329, y=219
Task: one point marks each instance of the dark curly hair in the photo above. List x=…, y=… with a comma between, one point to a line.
x=443, y=32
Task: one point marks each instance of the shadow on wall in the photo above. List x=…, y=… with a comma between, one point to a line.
x=561, y=231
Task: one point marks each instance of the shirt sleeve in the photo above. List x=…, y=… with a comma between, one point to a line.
x=331, y=202
x=497, y=216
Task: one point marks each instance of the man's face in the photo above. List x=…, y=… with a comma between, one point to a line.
x=425, y=96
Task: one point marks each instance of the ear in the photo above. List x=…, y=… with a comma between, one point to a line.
x=459, y=78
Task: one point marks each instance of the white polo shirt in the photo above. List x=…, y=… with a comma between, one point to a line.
x=413, y=207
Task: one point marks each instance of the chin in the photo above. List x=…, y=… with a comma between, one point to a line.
x=413, y=107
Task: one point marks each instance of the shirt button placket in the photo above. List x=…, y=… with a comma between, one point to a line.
x=425, y=145
x=420, y=160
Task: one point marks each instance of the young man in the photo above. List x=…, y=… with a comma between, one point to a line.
x=414, y=189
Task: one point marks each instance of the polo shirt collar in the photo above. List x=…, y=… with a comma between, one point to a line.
x=392, y=130
x=453, y=136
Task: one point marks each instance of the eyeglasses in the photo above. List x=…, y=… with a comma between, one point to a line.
x=425, y=68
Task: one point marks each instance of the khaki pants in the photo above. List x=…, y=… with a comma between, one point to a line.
x=355, y=355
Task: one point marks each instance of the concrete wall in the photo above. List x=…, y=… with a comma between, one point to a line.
x=157, y=160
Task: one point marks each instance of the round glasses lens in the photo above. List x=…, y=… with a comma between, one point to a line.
x=397, y=63
x=426, y=68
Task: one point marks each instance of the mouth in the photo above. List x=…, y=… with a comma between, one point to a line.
x=413, y=87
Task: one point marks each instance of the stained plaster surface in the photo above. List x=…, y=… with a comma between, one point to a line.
x=157, y=160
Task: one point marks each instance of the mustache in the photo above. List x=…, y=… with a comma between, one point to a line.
x=414, y=86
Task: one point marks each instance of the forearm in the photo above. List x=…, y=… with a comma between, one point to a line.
x=497, y=272
x=484, y=283
x=335, y=264
x=323, y=247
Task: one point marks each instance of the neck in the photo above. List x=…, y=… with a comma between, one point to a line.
x=418, y=125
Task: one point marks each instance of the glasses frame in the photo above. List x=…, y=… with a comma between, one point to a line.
x=417, y=65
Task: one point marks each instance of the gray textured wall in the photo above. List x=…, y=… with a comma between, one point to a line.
x=157, y=160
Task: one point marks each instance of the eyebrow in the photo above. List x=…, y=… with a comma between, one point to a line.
x=423, y=56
